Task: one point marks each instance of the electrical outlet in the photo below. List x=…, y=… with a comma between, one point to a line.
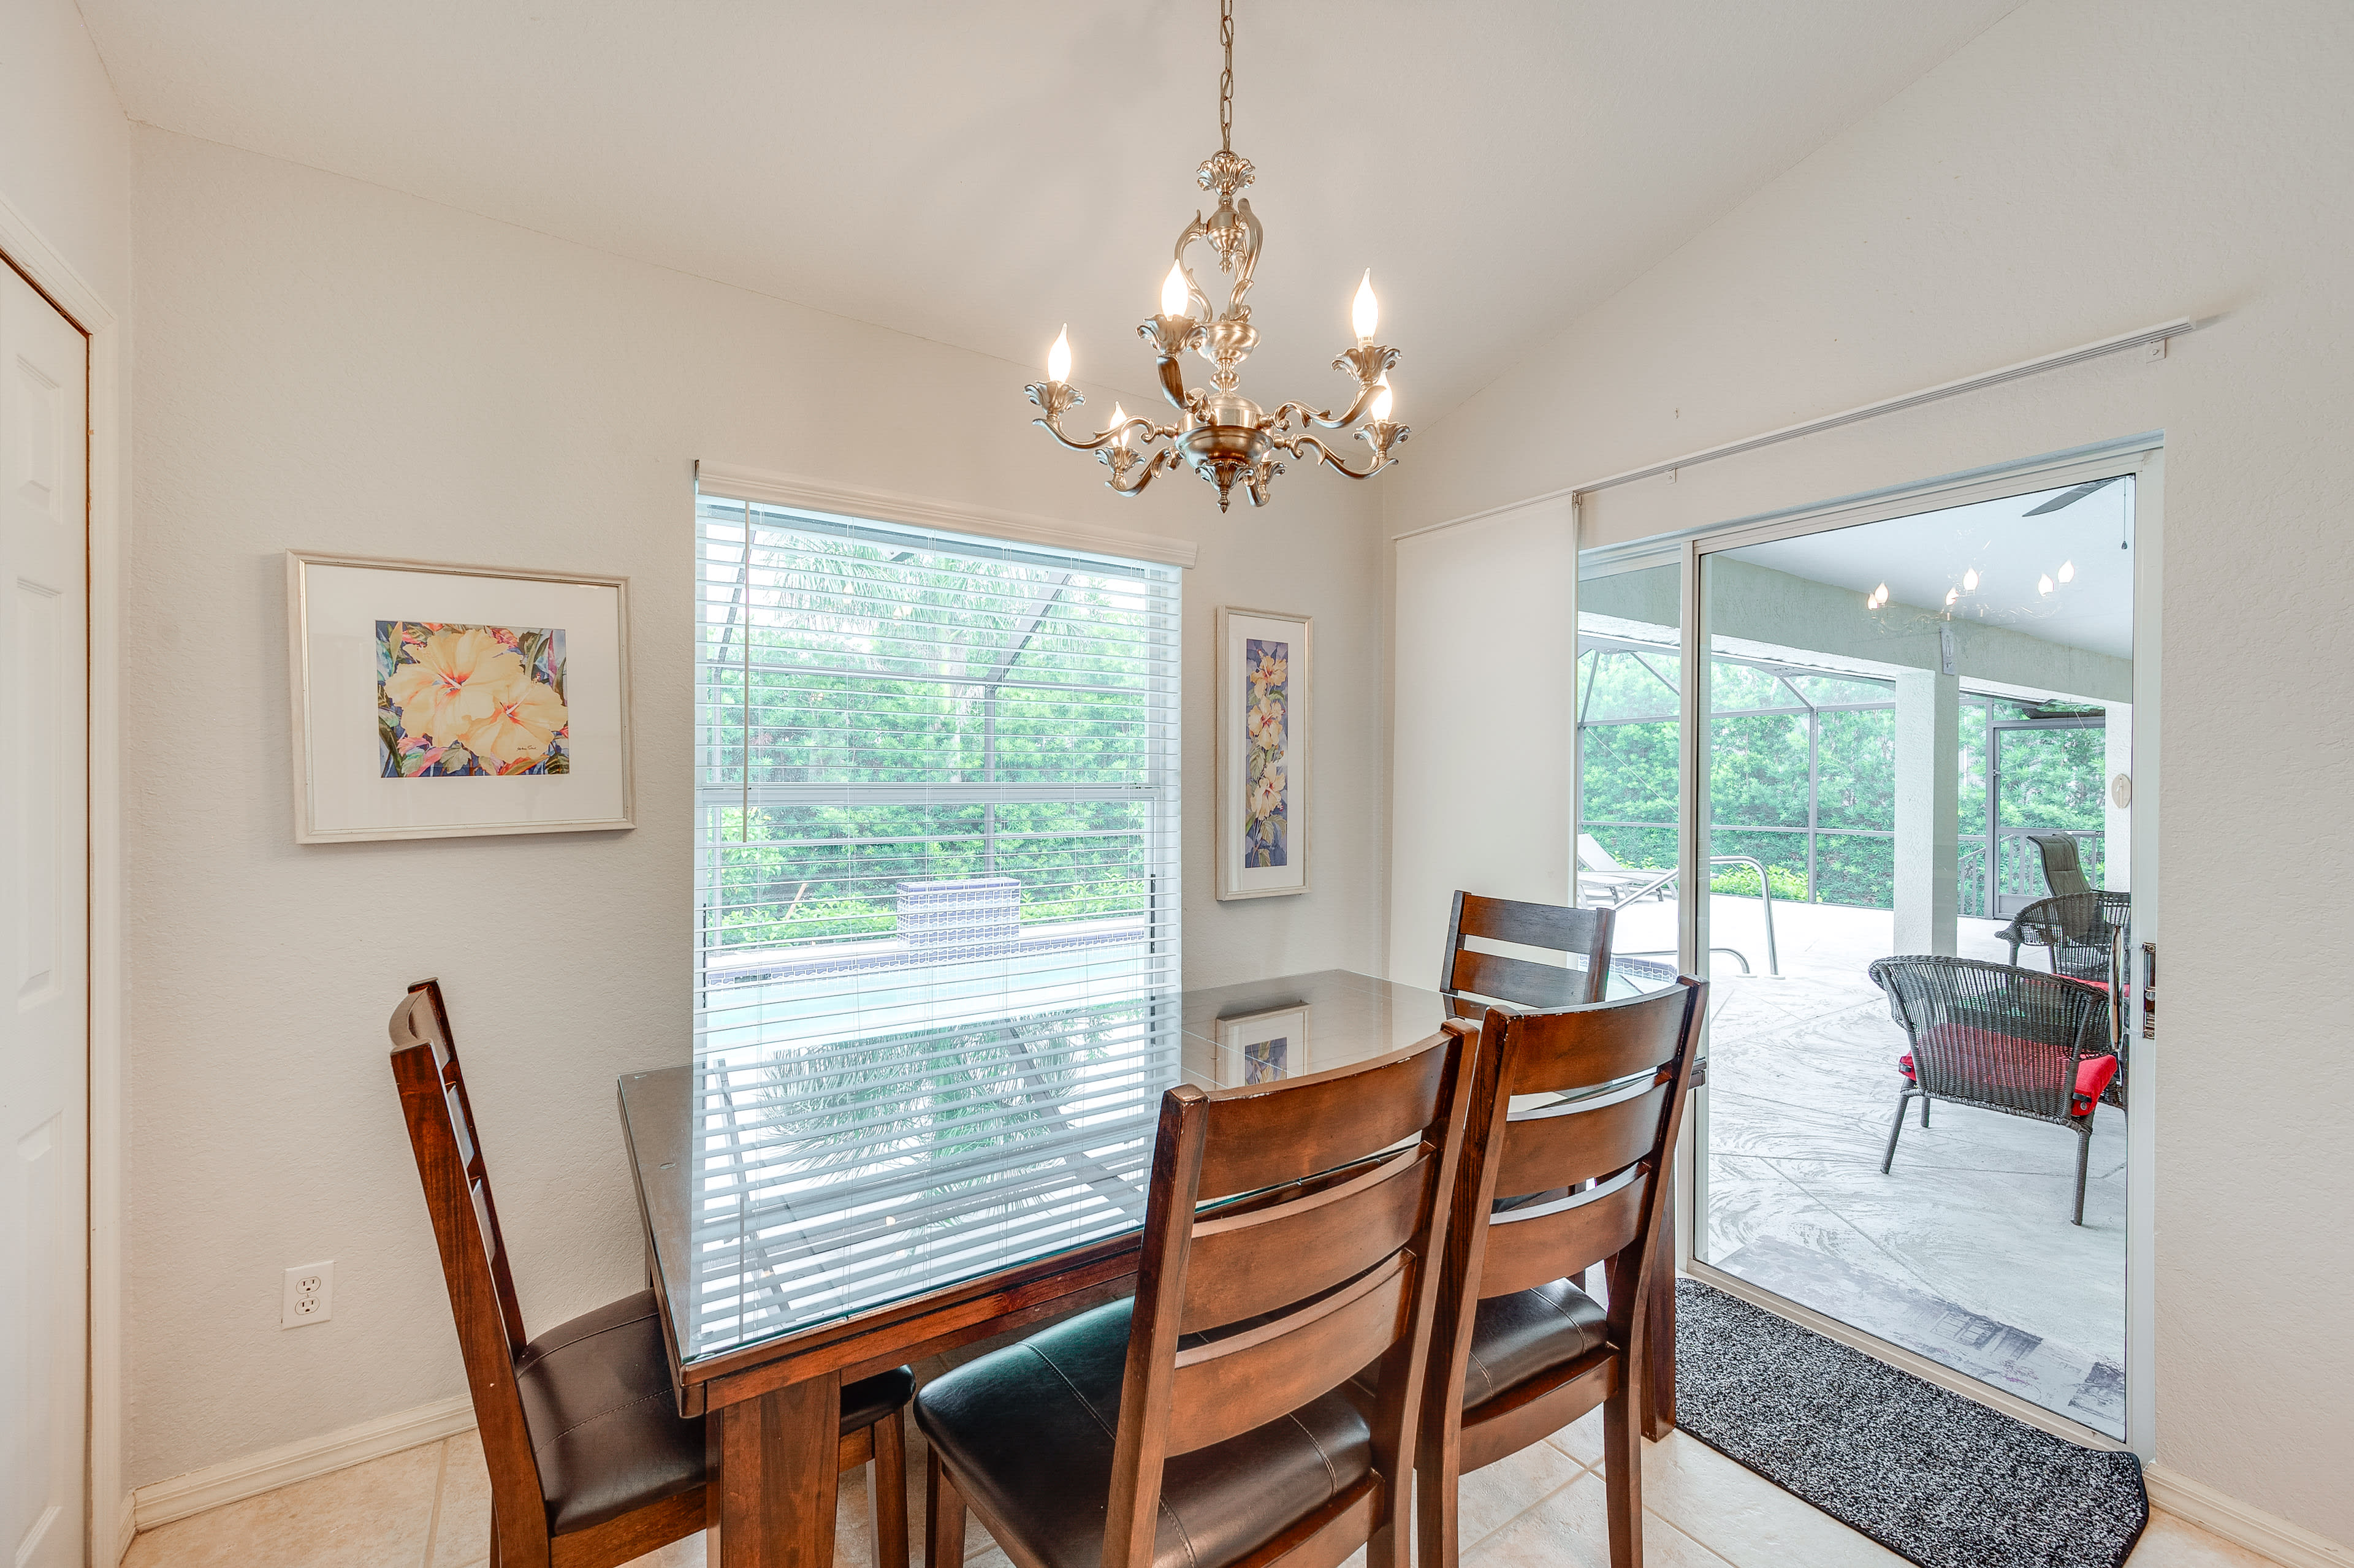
x=310, y=1295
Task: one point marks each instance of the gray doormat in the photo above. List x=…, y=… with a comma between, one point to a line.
x=1936, y=1477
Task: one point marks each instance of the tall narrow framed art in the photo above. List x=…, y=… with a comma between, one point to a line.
x=439, y=700
x=1265, y=660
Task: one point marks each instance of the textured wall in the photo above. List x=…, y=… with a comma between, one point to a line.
x=326, y=364
x=2084, y=169
x=65, y=147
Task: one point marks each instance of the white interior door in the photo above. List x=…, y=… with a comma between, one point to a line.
x=44, y=928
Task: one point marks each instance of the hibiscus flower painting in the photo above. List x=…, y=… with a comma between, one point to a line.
x=459, y=701
x=1266, y=733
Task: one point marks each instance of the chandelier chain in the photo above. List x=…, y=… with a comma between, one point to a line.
x=1226, y=77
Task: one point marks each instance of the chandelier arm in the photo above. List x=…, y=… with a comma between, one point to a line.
x=1143, y=471
x=1198, y=302
x=1380, y=433
x=1173, y=383
x=1309, y=447
x=1308, y=415
x=1152, y=432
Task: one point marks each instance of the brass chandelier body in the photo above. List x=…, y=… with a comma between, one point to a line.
x=1226, y=438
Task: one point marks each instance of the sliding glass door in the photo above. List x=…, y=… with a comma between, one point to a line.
x=1905, y=748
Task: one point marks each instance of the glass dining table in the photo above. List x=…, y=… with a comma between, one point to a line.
x=818, y=1212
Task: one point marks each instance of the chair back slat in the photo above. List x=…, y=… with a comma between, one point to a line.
x=1567, y=1145
x=1528, y=1248
x=1518, y=981
x=1321, y=1269
x=1583, y=934
x=1289, y=1129
x=1562, y=927
x=1574, y=1049
x=1230, y=1385
x=1243, y=1264
x=473, y=1260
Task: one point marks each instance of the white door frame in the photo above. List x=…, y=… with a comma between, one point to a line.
x=107, y=1527
x=2142, y=457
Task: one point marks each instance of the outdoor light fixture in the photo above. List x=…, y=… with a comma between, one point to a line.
x=1223, y=434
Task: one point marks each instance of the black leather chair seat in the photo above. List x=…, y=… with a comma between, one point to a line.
x=1514, y=1338
x=604, y=1420
x=1029, y=1431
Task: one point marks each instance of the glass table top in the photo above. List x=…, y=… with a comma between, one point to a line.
x=799, y=1184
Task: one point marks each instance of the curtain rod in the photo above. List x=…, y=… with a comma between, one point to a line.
x=2025, y=367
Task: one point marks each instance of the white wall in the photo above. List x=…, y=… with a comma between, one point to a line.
x=2082, y=168
x=331, y=365
x=65, y=147
x=1485, y=662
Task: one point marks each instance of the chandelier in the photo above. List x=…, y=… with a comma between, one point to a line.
x=1224, y=434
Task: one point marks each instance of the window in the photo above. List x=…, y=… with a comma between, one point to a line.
x=935, y=784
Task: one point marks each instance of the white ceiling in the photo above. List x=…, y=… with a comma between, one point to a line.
x=1924, y=556
x=978, y=174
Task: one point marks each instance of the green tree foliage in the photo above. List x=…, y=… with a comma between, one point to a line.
x=1757, y=779
x=862, y=665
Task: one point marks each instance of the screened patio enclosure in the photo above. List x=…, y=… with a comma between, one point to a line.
x=1803, y=779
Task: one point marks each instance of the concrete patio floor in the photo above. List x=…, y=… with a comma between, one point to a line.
x=1964, y=1252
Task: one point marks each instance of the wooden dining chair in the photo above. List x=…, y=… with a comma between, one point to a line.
x=1212, y=1422
x=591, y=1463
x=1520, y=1351
x=1470, y=980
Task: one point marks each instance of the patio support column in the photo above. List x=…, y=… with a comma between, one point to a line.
x=2116, y=861
x=1928, y=764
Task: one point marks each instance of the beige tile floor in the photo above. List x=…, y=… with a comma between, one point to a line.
x=429, y=1508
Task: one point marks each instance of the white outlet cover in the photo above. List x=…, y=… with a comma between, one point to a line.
x=308, y=1296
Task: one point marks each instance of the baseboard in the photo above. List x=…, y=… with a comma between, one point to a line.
x=254, y=1474
x=2274, y=1539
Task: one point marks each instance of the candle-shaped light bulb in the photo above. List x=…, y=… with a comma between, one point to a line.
x=1970, y=580
x=1951, y=595
x=2044, y=585
x=2067, y=571
x=1382, y=398
x=1881, y=593
x=1058, y=358
x=1119, y=424
x=1174, y=292
x=1365, y=311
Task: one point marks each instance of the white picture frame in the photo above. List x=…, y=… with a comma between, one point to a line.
x=1263, y=1047
x=1249, y=835
x=350, y=740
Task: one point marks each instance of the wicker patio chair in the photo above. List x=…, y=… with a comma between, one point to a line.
x=2078, y=923
x=2001, y=1038
x=2077, y=929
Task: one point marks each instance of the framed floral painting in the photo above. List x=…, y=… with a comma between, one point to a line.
x=438, y=701
x=1264, y=662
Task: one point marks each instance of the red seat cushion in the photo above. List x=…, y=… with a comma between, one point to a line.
x=2003, y=1055
x=2093, y=1075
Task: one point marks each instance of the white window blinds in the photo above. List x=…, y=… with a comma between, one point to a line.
x=935, y=784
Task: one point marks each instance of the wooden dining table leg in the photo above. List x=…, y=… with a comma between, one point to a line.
x=773, y=1463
